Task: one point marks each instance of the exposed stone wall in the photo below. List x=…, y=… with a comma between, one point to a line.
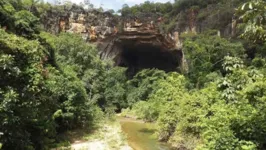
x=116, y=35
x=205, y=19
x=91, y=24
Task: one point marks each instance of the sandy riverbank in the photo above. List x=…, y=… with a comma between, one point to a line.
x=107, y=137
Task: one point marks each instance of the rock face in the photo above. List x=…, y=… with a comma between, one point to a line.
x=133, y=42
x=91, y=24
x=212, y=16
x=140, y=45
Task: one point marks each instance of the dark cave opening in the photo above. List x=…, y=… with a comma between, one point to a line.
x=147, y=56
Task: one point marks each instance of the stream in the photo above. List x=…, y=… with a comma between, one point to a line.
x=140, y=135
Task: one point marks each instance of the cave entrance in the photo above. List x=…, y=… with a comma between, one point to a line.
x=148, y=56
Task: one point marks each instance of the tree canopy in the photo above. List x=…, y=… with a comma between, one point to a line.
x=51, y=84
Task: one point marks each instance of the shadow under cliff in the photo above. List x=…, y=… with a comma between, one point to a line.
x=136, y=54
x=145, y=56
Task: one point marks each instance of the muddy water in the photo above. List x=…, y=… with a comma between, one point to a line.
x=141, y=135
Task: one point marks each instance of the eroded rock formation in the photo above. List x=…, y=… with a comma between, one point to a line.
x=140, y=45
x=91, y=24
x=133, y=42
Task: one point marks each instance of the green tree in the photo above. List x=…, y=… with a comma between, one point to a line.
x=26, y=24
x=253, y=15
x=205, y=54
x=143, y=84
x=125, y=10
x=6, y=14
x=30, y=5
x=115, y=88
x=111, y=11
x=25, y=106
x=80, y=71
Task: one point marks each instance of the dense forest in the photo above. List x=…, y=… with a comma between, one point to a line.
x=50, y=84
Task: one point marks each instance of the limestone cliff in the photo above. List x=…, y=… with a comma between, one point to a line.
x=91, y=24
x=135, y=42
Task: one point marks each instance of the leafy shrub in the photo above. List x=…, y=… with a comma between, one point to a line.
x=25, y=107
x=26, y=24
x=145, y=110
x=205, y=54
x=142, y=84
x=39, y=99
x=114, y=85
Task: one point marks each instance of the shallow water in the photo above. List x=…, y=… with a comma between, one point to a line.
x=141, y=135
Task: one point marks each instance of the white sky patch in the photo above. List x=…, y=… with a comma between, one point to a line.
x=117, y=4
